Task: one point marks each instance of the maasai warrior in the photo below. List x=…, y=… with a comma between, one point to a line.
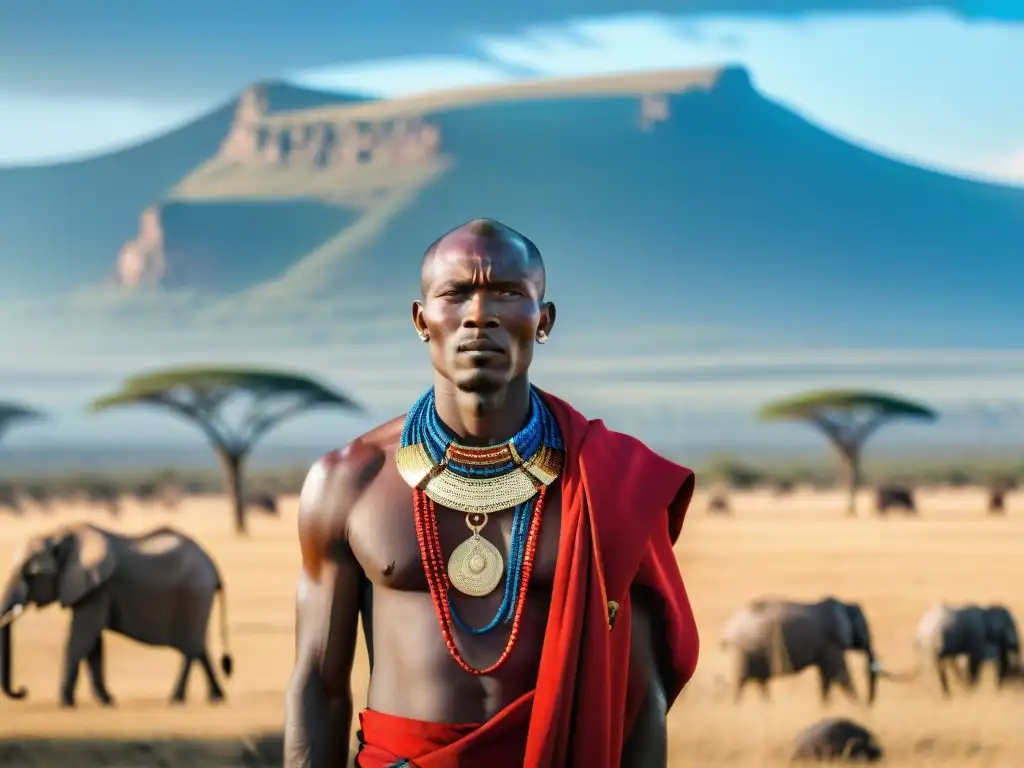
x=512, y=561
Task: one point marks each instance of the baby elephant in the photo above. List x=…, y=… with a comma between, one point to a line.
x=157, y=588
x=837, y=740
x=979, y=633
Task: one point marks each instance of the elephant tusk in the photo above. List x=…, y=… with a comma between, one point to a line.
x=11, y=615
x=898, y=677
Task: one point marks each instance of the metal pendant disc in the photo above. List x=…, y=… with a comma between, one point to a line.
x=476, y=567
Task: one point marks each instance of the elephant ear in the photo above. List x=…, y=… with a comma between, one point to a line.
x=999, y=625
x=88, y=564
x=838, y=625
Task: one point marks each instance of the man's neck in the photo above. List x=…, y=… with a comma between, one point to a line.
x=488, y=419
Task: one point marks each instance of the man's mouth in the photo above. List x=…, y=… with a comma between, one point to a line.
x=480, y=347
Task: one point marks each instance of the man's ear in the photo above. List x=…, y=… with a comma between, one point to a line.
x=547, y=317
x=417, y=317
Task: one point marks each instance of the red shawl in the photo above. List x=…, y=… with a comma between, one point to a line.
x=622, y=511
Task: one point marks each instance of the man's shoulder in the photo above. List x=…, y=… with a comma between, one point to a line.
x=339, y=477
x=351, y=460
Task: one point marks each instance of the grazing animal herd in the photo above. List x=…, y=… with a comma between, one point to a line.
x=888, y=499
x=775, y=638
x=159, y=588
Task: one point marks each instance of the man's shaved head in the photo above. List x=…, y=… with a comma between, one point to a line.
x=483, y=285
x=490, y=234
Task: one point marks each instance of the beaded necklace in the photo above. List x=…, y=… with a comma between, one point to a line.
x=479, y=481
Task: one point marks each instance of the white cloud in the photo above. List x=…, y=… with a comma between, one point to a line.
x=37, y=130
x=1009, y=166
x=404, y=76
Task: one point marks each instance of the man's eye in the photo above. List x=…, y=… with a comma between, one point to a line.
x=511, y=292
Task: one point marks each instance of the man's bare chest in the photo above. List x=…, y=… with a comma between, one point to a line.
x=382, y=534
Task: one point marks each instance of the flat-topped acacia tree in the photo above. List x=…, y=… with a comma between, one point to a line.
x=847, y=418
x=203, y=394
x=13, y=413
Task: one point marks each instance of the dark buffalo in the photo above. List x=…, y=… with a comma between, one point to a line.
x=837, y=740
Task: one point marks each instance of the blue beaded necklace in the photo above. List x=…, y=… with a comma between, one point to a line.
x=457, y=476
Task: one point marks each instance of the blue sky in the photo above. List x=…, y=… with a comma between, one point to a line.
x=931, y=87
x=924, y=86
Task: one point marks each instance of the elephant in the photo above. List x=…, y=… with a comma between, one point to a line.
x=783, y=488
x=156, y=588
x=773, y=637
x=998, y=489
x=146, y=493
x=837, y=740
x=889, y=497
x=718, y=504
x=996, y=501
x=264, y=502
x=980, y=633
x=103, y=494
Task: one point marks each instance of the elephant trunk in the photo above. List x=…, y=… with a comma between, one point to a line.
x=873, y=669
x=5, y=665
x=862, y=642
x=1010, y=665
x=13, y=604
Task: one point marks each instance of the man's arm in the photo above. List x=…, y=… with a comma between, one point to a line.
x=649, y=651
x=647, y=743
x=318, y=705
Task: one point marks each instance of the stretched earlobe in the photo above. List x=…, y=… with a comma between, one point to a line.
x=542, y=337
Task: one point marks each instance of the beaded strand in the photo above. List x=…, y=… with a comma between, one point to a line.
x=433, y=565
x=424, y=427
x=522, y=519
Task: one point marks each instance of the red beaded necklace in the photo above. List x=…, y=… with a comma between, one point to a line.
x=437, y=575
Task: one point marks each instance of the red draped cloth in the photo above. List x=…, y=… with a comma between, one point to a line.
x=622, y=510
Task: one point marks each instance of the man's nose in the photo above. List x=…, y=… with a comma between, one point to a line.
x=480, y=313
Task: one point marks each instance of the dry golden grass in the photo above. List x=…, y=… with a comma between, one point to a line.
x=800, y=546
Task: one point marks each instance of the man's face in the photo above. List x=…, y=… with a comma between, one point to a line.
x=482, y=310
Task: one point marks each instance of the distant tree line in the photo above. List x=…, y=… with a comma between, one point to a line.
x=205, y=396
x=740, y=474
x=733, y=472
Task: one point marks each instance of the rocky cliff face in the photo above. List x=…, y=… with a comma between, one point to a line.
x=335, y=139
x=224, y=246
x=294, y=139
x=141, y=261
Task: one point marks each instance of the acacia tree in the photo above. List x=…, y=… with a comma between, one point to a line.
x=203, y=395
x=847, y=418
x=12, y=413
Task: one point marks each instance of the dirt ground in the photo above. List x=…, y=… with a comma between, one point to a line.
x=798, y=546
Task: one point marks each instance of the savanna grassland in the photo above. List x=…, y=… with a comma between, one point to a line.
x=799, y=545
